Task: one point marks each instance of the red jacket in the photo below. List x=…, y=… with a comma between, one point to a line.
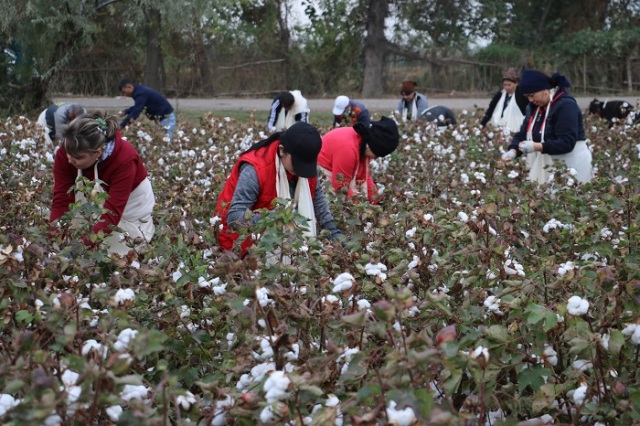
x=340, y=155
x=121, y=173
x=263, y=161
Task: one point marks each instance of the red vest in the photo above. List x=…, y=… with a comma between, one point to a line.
x=263, y=161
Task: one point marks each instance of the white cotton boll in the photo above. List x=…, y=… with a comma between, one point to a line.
x=125, y=337
x=186, y=400
x=130, y=392
x=492, y=303
x=480, y=351
x=413, y=263
x=577, y=306
x=92, y=345
x=343, y=282
x=114, y=412
x=550, y=355
x=411, y=232
x=262, y=294
x=579, y=395
x=220, y=417
x=363, y=304
x=123, y=296
x=633, y=330
x=185, y=312
x=404, y=417
x=463, y=217
x=377, y=269
x=276, y=387
x=428, y=217
x=464, y=178
x=7, y=402
x=267, y=415
x=513, y=174
x=582, y=365
x=69, y=378
x=491, y=275
x=604, y=340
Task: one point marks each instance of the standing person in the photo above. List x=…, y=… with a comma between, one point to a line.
x=287, y=108
x=153, y=103
x=349, y=112
x=507, y=107
x=612, y=111
x=412, y=104
x=285, y=166
x=552, y=129
x=441, y=115
x=55, y=117
x=92, y=147
x=347, y=151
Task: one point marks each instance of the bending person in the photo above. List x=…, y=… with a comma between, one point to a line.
x=286, y=109
x=281, y=166
x=347, y=151
x=92, y=147
x=349, y=112
x=552, y=129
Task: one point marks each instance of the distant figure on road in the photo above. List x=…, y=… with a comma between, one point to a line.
x=349, y=112
x=155, y=105
x=507, y=107
x=286, y=109
x=612, y=111
x=55, y=117
x=441, y=115
x=412, y=104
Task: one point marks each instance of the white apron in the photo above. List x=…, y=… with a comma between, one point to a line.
x=579, y=158
x=287, y=119
x=136, y=218
x=512, y=116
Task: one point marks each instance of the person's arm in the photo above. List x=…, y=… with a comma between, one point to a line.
x=323, y=213
x=302, y=116
x=372, y=190
x=273, y=114
x=337, y=121
x=140, y=99
x=244, y=197
x=492, y=106
x=521, y=134
x=120, y=188
x=564, y=126
x=64, y=179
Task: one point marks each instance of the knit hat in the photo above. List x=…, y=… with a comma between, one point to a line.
x=408, y=86
x=510, y=74
x=383, y=137
x=303, y=142
x=533, y=81
x=339, y=106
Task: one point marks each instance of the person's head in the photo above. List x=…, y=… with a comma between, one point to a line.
x=299, y=147
x=378, y=140
x=595, y=107
x=408, y=89
x=85, y=138
x=510, y=80
x=341, y=103
x=74, y=111
x=126, y=87
x=537, y=86
x=287, y=100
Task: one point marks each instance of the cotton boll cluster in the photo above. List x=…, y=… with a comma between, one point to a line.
x=276, y=386
x=555, y=224
x=343, y=282
x=215, y=284
x=125, y=338
x=511, y=267
x=376, y=270
x=124, y=296
x=492, y=303
x=633, y=330
x=566, y=267
x=262, y=295
x=549, y=355
x=403, y=417
x=577, y=306
x=130, y=392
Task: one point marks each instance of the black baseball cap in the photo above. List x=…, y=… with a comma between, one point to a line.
x=303, y=142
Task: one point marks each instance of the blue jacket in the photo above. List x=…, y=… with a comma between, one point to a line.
x=157, y=107
x=563, y=129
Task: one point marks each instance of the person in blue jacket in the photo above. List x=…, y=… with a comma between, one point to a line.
x=153, y=103
x=552, y=128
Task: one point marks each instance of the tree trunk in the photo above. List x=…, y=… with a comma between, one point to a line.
x=374, y=49
x=154, y=65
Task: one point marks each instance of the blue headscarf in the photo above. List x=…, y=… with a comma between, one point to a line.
x=533, y=81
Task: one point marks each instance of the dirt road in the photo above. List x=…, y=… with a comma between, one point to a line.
x=318, y=105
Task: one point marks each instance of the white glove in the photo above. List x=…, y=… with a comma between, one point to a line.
x=509, y=155
x=527, y=147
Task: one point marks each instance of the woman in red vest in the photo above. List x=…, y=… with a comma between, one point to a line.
x=347, y=151
x=281, y=166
